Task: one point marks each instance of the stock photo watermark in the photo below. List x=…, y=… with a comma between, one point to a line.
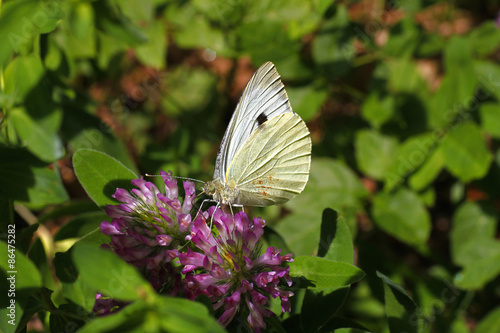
x=11, y=273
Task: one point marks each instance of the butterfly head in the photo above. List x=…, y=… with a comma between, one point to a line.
x=221, y=193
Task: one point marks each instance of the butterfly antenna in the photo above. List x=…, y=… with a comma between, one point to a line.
x=177, y=177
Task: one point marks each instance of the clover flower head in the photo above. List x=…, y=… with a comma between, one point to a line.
x=231, y=270
x=148, y=226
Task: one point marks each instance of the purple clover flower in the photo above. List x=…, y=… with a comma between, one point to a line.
x=148, y=227
x=231, y=270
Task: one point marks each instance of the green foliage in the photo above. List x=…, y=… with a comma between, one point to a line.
x=403, y=104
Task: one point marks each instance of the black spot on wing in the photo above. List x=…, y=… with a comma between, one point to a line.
x=261, y=118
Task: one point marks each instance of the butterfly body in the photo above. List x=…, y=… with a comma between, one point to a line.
x=265, y=155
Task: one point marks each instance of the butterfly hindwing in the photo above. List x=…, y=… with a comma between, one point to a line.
x=273, y=165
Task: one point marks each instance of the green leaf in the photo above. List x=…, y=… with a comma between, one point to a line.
x=38, y=120
x=68, y=208
x=82, y=130
x=335, y=244
x=335, y=240
x=473, y=245
x=25, y=178
x=59, y=321
x=431, y=168
x=181, y=82
x=331, y=184
x=163, y=314
x=130, y=318
x=307, y=100
x=488, y=75
x=411, y=155
x=20, y=280
x=473, y=223
x=111, y=20
x=185, y=316
x=77, y=34
x=30, y=277
x=465, y=152
x=45, y=144
x=153, y=52
x=333, y=48
x=101, y=175
x=482, y=270
x=22, y=21
x=264, y=40
x=324, y=273
x=377, y=109
x=401, y=311
x=485, y=39
x=80, y=225
x=319, y=309
x=457, y=91
x=404, y=77
x=403, y=39
x=194, y=30
x=403, y=216
x=73, y=286
x=119, y=280
x=375, y=153
x=490, y=118
x=490, y=323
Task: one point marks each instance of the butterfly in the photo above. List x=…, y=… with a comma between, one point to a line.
x=265, y=154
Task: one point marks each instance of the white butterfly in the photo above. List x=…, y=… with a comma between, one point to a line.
x=265, y=155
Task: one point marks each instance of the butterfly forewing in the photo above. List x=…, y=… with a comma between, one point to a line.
x=273, y=165
x=263, y=98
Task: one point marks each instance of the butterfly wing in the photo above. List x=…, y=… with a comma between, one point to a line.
x=264, y=97
x=273, y=165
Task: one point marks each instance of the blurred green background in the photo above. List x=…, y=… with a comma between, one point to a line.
x=401, y=98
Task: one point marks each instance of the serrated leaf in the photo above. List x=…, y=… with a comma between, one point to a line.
x=465, y=152
x=403, y=216
x=324, y=273
x=101, y=175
